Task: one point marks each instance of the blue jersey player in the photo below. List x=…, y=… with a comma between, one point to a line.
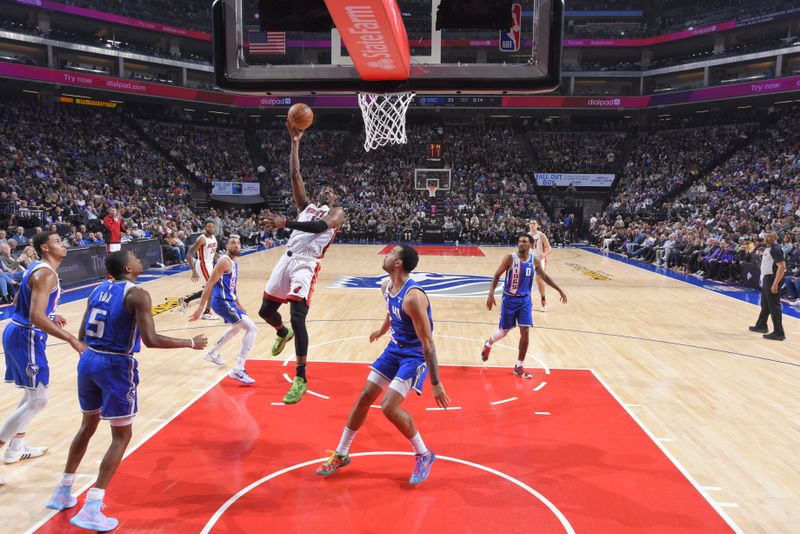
x=24, y=341
x=517, y=308
x=118, y=315
x=221, y=291
x=408, y=358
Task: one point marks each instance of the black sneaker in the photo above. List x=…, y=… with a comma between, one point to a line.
x=759, y=330
x=776, y=337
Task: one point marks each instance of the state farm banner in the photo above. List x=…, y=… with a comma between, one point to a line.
x=558, y=179
x=236, y=188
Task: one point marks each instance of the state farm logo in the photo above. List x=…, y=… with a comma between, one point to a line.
x=365, y=25
x=605, y=102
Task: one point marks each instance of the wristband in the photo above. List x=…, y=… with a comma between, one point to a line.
x=435, y=383
x=191, y=340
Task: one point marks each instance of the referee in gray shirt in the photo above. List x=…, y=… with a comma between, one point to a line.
x=773, y=265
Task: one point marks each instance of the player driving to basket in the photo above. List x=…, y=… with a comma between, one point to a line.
x=292, y=280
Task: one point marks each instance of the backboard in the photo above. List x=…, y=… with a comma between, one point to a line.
x=524, y=60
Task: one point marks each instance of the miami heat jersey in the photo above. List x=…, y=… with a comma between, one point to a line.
x=538, y=245
x=205, y=256
x=306, y=243
x=519, y=277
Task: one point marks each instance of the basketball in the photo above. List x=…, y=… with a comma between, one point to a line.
x=300, y=116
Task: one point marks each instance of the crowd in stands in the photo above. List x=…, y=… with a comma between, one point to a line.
x=696, y=199
x=576, y=152
x=719, y=222
x=663, y=162
x=192, y=14
x=209, y=153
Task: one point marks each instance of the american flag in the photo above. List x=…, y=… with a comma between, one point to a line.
x=267, y=42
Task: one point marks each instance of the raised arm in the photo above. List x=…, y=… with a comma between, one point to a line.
x=298, y=187
x=222, y=267
x=42, y=283
x=138, y=302
x=504, y=265
x=416, y=306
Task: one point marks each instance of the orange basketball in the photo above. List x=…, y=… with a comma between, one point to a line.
x=300, y=116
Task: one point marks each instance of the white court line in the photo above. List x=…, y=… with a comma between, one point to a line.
x=495, y=403
x=131, y=450
x=728, y=505
x=540, y=386
x=711, y=488
x=672, y=459
x=632, y=405
x=374, y=406
x=543, y=365
x=277, y=404
x=665, y=439
x=197, y=390
x=437, y=409
x=158, y=420
x=244, y=491
x=320, y=395
x=541, y=413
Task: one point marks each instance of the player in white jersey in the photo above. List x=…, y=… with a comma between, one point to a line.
x=205, y=248
x=292, y=280
x=540, y=249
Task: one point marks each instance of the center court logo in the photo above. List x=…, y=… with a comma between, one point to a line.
x=434, y=284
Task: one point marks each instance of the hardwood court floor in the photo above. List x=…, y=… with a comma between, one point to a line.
x=722, y=400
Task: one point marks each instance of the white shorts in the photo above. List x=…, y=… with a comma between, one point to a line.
x=204, y=269
x=544, y=263
x=114, y=247
x=293, y=278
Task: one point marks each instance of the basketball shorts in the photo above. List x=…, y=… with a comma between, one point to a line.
x=26, y=362
x=204, y=269
x=228, y=310
x=543, y=260
x=404, y=368
x=293, y=278
x=107, y=384
x=516, y=311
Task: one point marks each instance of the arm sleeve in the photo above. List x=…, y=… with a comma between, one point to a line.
x=312, y=227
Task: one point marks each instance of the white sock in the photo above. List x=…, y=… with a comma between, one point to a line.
x=247, y=343
x=95, y=494
x=347, y=439
x=520, y=362
x=16, y=444
x=497, y=336
x=67, y=479
x=418, y=445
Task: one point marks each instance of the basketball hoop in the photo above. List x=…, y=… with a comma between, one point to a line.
x=432, y=187
x=384, y=118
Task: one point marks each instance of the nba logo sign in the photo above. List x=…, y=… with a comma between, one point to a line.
x=510, y=41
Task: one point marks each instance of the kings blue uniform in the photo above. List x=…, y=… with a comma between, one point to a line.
x=107, y=371
x=24, y=345
x=403, y=358
x=223, y=295
x=516, y=308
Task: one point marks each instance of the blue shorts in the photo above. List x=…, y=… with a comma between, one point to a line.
x=228, y=310
x=26, y=362
x=403, y=364
x=107, y=384
x=516, y=311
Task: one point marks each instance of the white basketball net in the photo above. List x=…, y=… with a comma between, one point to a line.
x=384, y=118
